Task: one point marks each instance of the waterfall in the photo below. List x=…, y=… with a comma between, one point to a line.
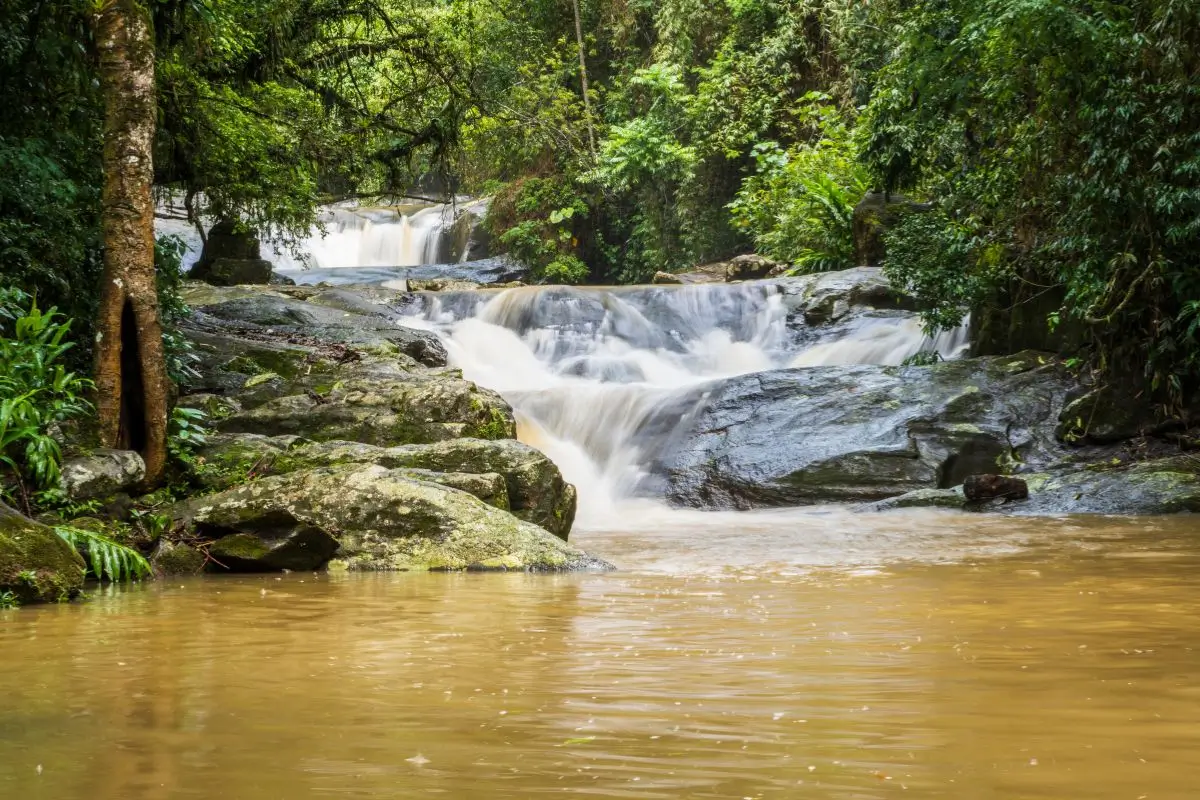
x=588, y=369
x=353, y=236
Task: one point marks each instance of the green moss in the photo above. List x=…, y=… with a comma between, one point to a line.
x=239, y=545
x=497, y=424
x=35, y=564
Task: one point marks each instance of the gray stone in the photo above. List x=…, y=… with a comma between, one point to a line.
x=858, y=433
x=102, y=473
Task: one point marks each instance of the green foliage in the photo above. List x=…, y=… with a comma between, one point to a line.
x=799, y=204
x=37, y=392
x=9, y=601
x=1063, y=138
x=186, y=433
x=535, y=219
x=106, y=559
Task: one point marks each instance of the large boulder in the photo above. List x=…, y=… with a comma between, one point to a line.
x=36, y=565
x=860, y=433
x=231, y=257
x=751, y=267
x=415, y=409
x=368, y=518
x=503, y=473
x=101, y=473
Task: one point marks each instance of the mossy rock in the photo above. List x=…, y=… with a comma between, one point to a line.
x=532, y=485
x=417, y=410
x=35, y=564
x=177, y=558
x=381, y=519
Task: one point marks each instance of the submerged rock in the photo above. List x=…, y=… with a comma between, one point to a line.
x=36, y=565
x=380, y=519
x=858, y=433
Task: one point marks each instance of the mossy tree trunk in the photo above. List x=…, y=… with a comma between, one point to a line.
x=131, y=377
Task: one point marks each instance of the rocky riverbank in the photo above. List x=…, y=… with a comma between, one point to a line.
x=341, y=438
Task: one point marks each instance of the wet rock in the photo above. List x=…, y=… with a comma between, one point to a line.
x=920, y=498
x=858, y=433
x=288, y=318
x=750, y=267
x=176, y=558
x=980, y=488
x=102, y=473
x=442, y=285
x=416, y=410
x=381, y=519
x=1160, y=486
x=35, y=564
x=828, y=296
x=661, y=277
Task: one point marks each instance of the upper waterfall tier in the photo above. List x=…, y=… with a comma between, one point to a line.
x=350, y=235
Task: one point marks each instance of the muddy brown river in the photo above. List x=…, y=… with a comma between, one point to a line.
x=814, y=654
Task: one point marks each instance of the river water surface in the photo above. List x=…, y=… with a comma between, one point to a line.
x=929, y=655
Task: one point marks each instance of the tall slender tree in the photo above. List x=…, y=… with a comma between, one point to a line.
x=131, y=377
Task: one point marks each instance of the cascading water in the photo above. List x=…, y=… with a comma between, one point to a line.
x=353, y=236
x=588, y=369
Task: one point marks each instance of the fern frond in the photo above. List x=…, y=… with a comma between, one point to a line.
x=107, y=560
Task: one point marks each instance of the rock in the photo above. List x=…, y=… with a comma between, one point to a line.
x=235, y=272
x=214, y=406
x=979, y=488
x=442, y=285
x=826, y=297
x=661, y=277
x=920, y=498
x=231, y=257
x=873, y=216
x=381, y=519
x=503, y=473
x=290, y=319
x=102, y=473
x=273, y=542
x=176, y=558
x=1104, y=415
x=749, y=268
x=1160, y=486
x=858, y=433
x=415, y=410
x=36, y=565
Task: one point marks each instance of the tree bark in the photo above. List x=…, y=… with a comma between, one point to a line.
x=583, y=78
x=131, y=376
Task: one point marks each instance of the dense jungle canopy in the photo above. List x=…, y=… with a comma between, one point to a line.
x=1057, y=142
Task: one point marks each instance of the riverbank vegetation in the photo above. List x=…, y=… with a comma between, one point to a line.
x=1053, y=146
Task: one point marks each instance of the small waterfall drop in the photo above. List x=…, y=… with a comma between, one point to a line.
x=354, y=236
x=588, y=369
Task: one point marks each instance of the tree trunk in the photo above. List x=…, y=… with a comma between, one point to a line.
x=583, y=78
x=131, y=376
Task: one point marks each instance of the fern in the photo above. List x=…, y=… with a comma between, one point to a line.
x=107, y=559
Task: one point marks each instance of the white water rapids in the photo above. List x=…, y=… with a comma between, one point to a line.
x=586, y=368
